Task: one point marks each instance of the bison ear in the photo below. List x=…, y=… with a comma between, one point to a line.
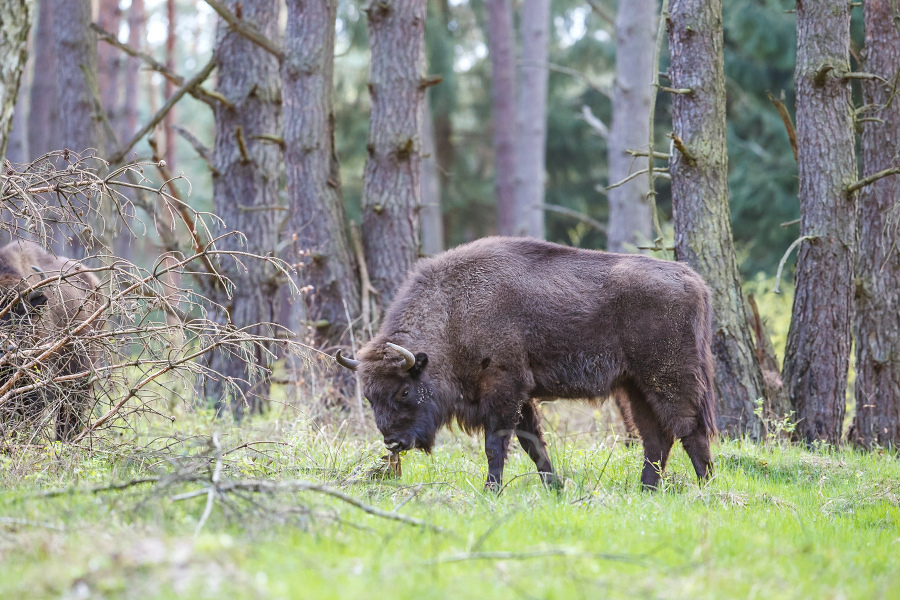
x=419, y=366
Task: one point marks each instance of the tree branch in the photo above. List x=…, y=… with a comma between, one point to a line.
x=248, y=30
x=160, y=115
x=786, y=119
x=198, y=147
x=575, y=214
x=872, y=179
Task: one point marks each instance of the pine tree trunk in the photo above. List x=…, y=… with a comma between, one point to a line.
x=531, y=144
x=818, y=345
x=110, y=18
x=248, y=170
x=391, y=190
x=14, y=27
x=430, y=216
x=169, y=89
x=630, y=219
x=501, y=44
x=43, y=117
x=700, y=203
x=76, y=76
x=136, y=26
x=320, y=248
x=443, y=96
x=878, y=265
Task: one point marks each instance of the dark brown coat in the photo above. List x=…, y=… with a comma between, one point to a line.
x=495, y=325
x=31, y=315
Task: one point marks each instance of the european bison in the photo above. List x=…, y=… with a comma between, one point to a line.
x=30, y=315
x=480, y=333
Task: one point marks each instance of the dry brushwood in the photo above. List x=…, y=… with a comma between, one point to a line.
x=150, y=351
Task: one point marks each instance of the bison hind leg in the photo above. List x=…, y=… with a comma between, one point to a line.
x=531, y=437
x=656, y=439
x=696, y=444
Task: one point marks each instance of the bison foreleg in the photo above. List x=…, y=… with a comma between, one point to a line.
x=531, y=436
x=697, y=447
x=496, y=447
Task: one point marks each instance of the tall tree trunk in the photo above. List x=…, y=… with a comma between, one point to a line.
x=76, y=78
x=818, y=345
x=17, y=148
x=878, y=265
x=43, y=116
x=110, y=18
x=136, y=25
x=531, y=144
x=501, y=44
x=430, y=215
x=317, y=225
x=700, y=203
x=630, y=218
x=442, y=98
x=248, y=170
x=391, y=189
x=171, y=20
x=14, y=27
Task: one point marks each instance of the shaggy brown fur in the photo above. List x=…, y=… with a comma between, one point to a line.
x=498, y=324
x=47, y=312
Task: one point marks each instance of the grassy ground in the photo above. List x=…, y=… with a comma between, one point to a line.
x=776, y=522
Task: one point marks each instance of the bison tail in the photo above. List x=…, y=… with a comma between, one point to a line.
x=706, y=376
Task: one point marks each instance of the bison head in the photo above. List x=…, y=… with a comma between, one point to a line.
x=399, y=388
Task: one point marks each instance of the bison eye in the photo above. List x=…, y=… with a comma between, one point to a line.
x=405, y=393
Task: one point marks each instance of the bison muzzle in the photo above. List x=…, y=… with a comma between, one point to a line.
x=480, y=334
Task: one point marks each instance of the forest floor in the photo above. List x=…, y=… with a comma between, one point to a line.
x=776, y=521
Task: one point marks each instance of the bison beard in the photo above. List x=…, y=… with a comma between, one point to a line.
x=47, y=312
x=481, y=333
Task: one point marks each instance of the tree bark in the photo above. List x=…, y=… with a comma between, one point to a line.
x=321, y=249
x=110, y=18
x=169, y=89
x=818, y=345
x=43, y=117
x=248, y=170
x=630, y=218
x=430, y=216
x=391, y=188
x=76, y=77
x=878, y=265
x=501, y=44
x=14, y=27
x=531, y=145
x=700, y=203
x=136, y=26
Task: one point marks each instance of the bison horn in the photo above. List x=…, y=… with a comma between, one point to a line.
x=347, y=363
x=409, y=357
x=37, y=269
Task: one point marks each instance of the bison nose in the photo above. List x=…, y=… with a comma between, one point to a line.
x=396, y=444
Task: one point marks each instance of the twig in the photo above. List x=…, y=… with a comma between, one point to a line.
x=28, y=523
x=683, y=91
x=112, y=487
x=679, y=145
x=574, y=214
x=786, y=119
x=602, y=12
x=201, y=150
x=567, y=71
x=561, y=552
x=787, y=224
x=268, y=137
x=211, y=496
x=872, y=179
x=637, y=173
x=656, y=155
x=785, y=257
x=366, y=287
x=242, y=143
x=595, y=123
x=248, y=30
x=160, y=115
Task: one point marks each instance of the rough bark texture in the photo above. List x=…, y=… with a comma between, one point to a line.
x=531, y=145
x=818, y=345
x=14, y=26
x=172, y=21
x=630, y=219
x=391, y=190
x=108, y=57
x=248, y=172
x=321, y=248
x=501, y=44
x=430, y=216
x=136, y=25
x=43, y=128
x=76, y=76
x=878, y=266
x=700, y=204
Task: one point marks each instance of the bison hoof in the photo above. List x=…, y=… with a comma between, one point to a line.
x=492, y=486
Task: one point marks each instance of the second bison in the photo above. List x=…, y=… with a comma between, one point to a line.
x=481, y=333
x=46, y=301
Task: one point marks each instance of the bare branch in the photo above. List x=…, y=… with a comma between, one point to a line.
x=872, y=179
x=201, y=150
x=575, y=214
x=786, y=119
x=248, y=30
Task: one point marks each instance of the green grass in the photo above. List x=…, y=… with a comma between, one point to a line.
x=776, y=522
